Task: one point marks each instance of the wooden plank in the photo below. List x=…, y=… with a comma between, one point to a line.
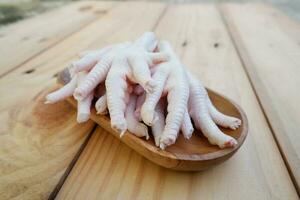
x=108, y=169
x=269, y=45
x=25, y=39
x=34, y=152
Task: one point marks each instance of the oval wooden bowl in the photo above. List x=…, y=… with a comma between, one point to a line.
x=195, y=154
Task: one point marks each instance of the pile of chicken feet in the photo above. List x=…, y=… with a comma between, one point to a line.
x=144, y=83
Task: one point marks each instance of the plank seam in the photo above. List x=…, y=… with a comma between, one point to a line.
x=164, y=11
x=64, y=177
x=242, y=59
x=54, y=44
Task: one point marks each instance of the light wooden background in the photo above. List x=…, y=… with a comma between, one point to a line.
x=44, y=153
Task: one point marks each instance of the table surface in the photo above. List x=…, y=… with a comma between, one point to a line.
x=248, y=52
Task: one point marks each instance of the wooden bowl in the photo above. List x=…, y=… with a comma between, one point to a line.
x=195, y=154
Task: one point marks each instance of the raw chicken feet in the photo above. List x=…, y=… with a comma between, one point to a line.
x=144, y=81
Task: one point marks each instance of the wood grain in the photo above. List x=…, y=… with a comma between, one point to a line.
x=195, y=154
x=108, y=169
x=269, y=45
x=25, y=39
x=29, y=169
x=37, y=147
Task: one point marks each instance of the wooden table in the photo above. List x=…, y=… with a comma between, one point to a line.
x=249, y=52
